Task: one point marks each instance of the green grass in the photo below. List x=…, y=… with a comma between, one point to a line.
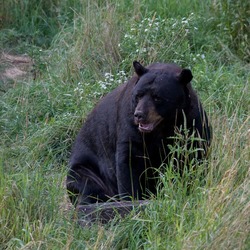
x=82, y=50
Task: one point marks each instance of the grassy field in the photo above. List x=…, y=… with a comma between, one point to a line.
x=77, y=51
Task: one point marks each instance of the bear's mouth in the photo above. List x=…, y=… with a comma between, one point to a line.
x=147, y=127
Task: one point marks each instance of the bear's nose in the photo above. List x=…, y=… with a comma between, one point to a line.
x=139, y=115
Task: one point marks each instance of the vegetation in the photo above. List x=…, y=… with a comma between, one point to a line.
x=83, y=49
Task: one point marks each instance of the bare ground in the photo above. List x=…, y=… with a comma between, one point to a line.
x=14, y=68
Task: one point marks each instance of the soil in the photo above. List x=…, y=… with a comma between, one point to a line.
x=14, y=68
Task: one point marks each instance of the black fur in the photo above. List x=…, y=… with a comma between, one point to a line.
x=126, y=136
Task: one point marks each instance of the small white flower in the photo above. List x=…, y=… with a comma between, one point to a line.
x=103, y=86
x=107, y=75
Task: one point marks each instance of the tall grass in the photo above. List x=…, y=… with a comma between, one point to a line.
x=88, y=51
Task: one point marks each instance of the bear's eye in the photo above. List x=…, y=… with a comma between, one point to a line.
x=157, y=99
x=138, y=96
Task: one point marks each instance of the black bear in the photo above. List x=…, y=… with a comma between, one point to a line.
x=126, y=137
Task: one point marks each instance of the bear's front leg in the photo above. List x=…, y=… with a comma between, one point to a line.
x=128, y=173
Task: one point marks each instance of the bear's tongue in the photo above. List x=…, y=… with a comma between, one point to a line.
x=146, y=127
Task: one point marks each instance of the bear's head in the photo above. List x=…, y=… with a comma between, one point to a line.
x=160, y=95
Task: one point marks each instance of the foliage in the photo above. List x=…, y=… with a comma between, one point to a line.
x=233, y=23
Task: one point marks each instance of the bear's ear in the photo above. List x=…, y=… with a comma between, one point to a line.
x=185, y=76
x=139, y=69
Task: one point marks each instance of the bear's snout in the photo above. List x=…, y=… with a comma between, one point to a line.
x=139, y=116
x=147, y=121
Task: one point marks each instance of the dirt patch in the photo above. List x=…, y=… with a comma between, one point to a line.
x=13, y=73
x=14, y=68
